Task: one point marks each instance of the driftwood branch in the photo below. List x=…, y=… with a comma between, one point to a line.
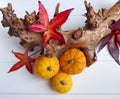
x=86, y=38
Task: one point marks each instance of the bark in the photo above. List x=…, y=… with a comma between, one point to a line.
x=85, y=38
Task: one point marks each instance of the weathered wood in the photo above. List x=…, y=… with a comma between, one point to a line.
x=86, y=38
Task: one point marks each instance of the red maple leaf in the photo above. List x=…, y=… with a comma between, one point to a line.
x=49, y=28
x=24, y=60
x=112, y=40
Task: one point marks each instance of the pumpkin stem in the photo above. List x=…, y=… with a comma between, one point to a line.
x=49, y=68
x=63, y=82
x=71, y=61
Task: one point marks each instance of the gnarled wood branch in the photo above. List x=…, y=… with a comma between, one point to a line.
x=86, y=38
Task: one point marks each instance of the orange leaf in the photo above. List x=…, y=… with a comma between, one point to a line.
x=43, y=15
x=24, y=60
x=59, y=19
x=46, y=38
x=55, y=23
x=58, y=36
x=16, y=66
x=49, y=28
x=43, y=20
x=49, y=34
x=37, y=27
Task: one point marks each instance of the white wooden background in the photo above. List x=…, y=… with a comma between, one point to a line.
x=100, y=81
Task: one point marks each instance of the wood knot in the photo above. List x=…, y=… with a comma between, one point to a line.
x=77, y=34
x=30, y=18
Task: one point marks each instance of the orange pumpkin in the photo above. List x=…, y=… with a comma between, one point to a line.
x=72, y=61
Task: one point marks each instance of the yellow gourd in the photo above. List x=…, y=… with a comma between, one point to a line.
x=46, y=67
x=62, y=82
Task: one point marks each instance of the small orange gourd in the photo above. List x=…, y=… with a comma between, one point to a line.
x=72, y=61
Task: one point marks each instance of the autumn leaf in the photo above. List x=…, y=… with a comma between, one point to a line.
x=43, y=15
x=24, y=60
x=43, y=20
x=115, y=27
x=114, y=50
x=104, y=41
x=118, y=39
x=115, y=30
x=49, y=28
x=112, y=41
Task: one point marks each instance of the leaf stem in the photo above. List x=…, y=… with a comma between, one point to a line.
x=35, y=53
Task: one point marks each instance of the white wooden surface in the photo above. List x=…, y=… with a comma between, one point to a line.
x=100, y=81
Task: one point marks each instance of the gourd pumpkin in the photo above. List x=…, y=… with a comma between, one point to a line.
x=72, y=61
x=46, y=67
x=62, y=82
